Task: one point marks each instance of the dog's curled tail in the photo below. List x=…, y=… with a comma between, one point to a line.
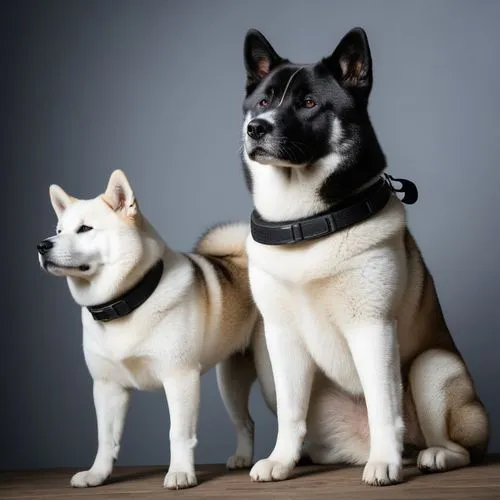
x=225, y=241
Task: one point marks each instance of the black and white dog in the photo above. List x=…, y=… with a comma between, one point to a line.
x=339, y=279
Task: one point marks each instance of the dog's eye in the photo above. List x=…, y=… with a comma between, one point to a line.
x=83, y=229
x=58, y=231
x=263, y=103
x=309, y=102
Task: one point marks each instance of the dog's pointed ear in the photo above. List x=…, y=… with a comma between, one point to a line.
x=260, y=57
x=351, y=63
x=60, y=199
x=119, y=194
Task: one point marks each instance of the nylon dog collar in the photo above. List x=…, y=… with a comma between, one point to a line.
x=354, y=210
x=131, y=300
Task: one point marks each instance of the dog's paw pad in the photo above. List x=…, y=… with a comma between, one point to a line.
x=179, y=480
x=88, y=478
x=270, y=470
x=382, y=473
x=238, y=462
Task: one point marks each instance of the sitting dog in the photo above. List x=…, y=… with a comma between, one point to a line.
x=155, y=319
x=340, y=281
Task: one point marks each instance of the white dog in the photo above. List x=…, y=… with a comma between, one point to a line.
x=153, y=318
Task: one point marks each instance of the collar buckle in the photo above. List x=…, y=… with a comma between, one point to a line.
x=111, y=311
x=297, y=233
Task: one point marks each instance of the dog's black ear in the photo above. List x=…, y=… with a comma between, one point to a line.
x=260, y=58
x=351, y=64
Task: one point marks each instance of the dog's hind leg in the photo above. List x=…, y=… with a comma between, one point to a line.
x=111, y=403
x=235, y=377
x=452, y=419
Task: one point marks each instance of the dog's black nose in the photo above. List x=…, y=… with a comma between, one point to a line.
x=44, y=246
x=258, y=128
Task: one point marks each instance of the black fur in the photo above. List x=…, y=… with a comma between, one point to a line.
x=339, y=85
x=260, y=58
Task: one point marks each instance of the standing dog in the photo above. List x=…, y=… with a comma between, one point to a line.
x=350, y=294
x=154, y=319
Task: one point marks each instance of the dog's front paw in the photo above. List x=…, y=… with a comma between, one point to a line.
x=382, y=473
x=87, y=478
x=271, y=470
x=238, y=462
x=179, y=480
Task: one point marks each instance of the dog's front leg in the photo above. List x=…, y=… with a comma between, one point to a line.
x=111, y=403
x=182, y=389
x=293, y=372
x=375, y=353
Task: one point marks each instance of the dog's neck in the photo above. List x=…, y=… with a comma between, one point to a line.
x=118, y=278
x=283, y=194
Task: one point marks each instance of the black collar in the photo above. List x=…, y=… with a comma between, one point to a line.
x=131, y=300
x=354, y=210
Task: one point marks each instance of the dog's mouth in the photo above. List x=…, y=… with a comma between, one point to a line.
x=260, y=153
x=266, y=156
x=50, y=265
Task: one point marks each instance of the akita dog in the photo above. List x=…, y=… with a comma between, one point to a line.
x=155, y=319
x=340, y=281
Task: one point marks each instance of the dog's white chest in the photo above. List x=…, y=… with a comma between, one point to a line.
x=305, y=311
x=120, y=355
x=326, y=344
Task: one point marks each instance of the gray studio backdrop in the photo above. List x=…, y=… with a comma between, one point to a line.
x=155, y=88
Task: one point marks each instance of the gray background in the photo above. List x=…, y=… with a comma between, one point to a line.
x=155, y=88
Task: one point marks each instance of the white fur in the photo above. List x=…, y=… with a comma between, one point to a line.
x=374, y=351
x=428, y=376
x=292, y=392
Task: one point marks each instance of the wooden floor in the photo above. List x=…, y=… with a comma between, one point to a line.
x=309, y=482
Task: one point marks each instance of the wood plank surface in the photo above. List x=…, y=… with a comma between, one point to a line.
x=309, y=482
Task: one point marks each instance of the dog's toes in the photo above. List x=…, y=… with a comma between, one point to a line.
x=87, y=478
x=238, y=462
x=438, y=459
x=270, y=470
x=179, y=480
x=382, y=473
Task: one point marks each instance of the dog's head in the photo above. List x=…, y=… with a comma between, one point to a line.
x=299, y=116
x=96, y=240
